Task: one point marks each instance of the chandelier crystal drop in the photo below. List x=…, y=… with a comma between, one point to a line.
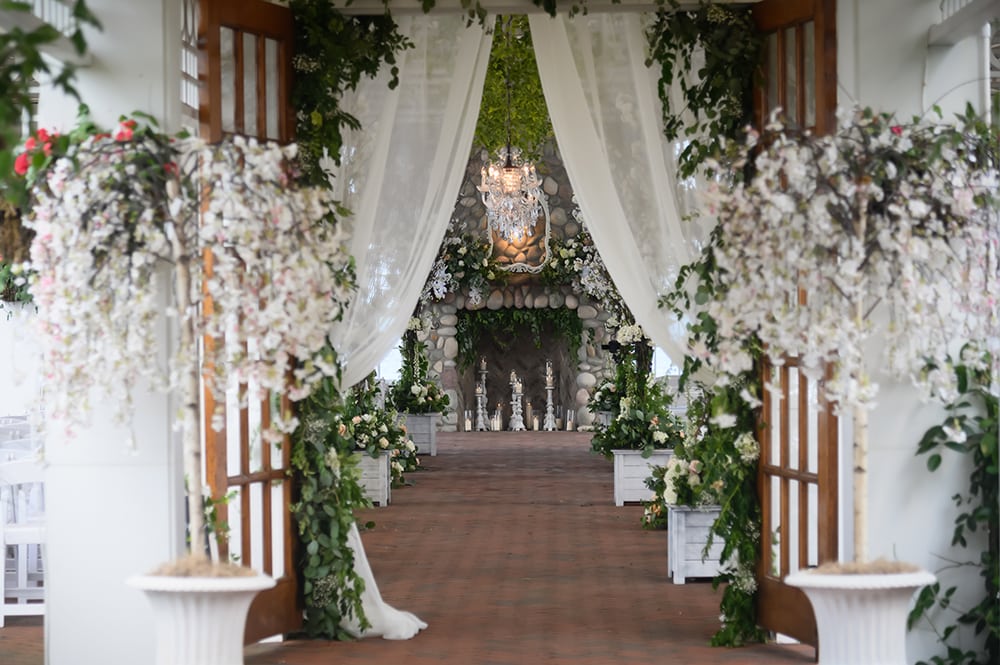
x=512, y=194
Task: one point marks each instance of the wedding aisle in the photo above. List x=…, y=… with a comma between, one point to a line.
x=510, y=547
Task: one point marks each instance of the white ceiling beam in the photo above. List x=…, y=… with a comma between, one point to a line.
x=966, y=22
x=411, y=7
x=61, y=48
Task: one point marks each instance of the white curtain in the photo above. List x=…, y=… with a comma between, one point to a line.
x=400, y=175
x=608, y=123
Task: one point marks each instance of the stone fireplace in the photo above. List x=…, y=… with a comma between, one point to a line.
x=575, y=375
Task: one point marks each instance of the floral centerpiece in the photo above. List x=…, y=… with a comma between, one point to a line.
x=415, y=392
x=465, y=262
x=643, y=423
x=375, y=430
x=121, y=217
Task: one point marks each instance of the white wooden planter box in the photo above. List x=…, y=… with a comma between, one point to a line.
x=376, y=477
x=687, y=533
x=422, y=429
x=631, y=471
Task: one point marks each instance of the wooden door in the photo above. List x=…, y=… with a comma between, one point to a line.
x=797, y=479
x=244, y=72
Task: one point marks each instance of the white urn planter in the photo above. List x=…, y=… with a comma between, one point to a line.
x=861, y=619
x=375, y=477
x=688, y=528
x=422, y=430
x=200, y=620
x=631, y=471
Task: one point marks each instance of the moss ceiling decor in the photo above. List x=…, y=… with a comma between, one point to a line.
x=502, y=326
x=513, y=55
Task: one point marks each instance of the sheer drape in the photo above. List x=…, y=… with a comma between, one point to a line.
x=607, y=119
x=400, y=175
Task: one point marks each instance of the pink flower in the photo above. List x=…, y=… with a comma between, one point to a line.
x=21, y=164
x=29, y=143
x=897, y=130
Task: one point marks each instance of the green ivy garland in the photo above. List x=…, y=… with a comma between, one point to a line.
x=739, y=521
x=502, y=325
x=719, y=103
x=328, y=491
x=971, y=428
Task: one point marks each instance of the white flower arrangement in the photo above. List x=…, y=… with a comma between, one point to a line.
x=118, y=219
x=888, y=229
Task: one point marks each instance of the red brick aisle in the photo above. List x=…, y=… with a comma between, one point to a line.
x=511, y=548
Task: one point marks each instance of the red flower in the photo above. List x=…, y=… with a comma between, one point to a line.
x=29, y=143
x=43, y=135
x=123, y=134
x=897, y=130
x=170, y=168
x=21, y=164
x=47, y=148
x=130, y=123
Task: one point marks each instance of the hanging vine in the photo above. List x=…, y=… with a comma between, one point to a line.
x=718, y=98
x=503, y=325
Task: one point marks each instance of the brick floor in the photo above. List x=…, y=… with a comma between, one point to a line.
x=510, y=547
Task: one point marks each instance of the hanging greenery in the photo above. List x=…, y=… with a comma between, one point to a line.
x=332, y=53
x=718, y=421
x=512, y=59
x=328, y=493
x=718, y=96
x=502, y=326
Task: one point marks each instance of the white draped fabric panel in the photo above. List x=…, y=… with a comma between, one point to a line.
x=607, y=119
x=400, y=175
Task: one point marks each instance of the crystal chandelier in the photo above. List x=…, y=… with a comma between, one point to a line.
x=511, y=190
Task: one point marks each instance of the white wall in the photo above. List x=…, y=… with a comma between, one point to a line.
x=884, y=62
x=112, y=512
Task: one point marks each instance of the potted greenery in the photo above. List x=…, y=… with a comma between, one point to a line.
x=418, y=398
x=249, y=260
x=383, y=449
x=644, y=432
x=883, y=227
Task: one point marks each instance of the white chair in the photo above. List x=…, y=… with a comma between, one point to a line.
x=22, y=539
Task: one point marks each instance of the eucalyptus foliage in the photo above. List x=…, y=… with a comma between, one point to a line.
x=326, y=474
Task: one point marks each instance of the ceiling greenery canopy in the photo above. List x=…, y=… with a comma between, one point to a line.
x=512, y=58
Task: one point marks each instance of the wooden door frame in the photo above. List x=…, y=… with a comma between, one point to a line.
x=780, y=607
x=278, y=610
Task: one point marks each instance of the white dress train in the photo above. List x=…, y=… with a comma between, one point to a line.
x=386, y=621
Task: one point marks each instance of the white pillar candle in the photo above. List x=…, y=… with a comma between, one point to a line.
x=534, y=423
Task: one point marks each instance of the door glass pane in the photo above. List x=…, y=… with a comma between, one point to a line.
x=791, y=76
x=256, y=553
x=249, y=84
x=809, y=75
x=774, y=546
x=271, y=99
x=227, y=63
x=793, y=525
x=277, y=529
x=774, y=418
x=812, y=456
x=772, y=72
x=813, y=500
x=793, y=418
